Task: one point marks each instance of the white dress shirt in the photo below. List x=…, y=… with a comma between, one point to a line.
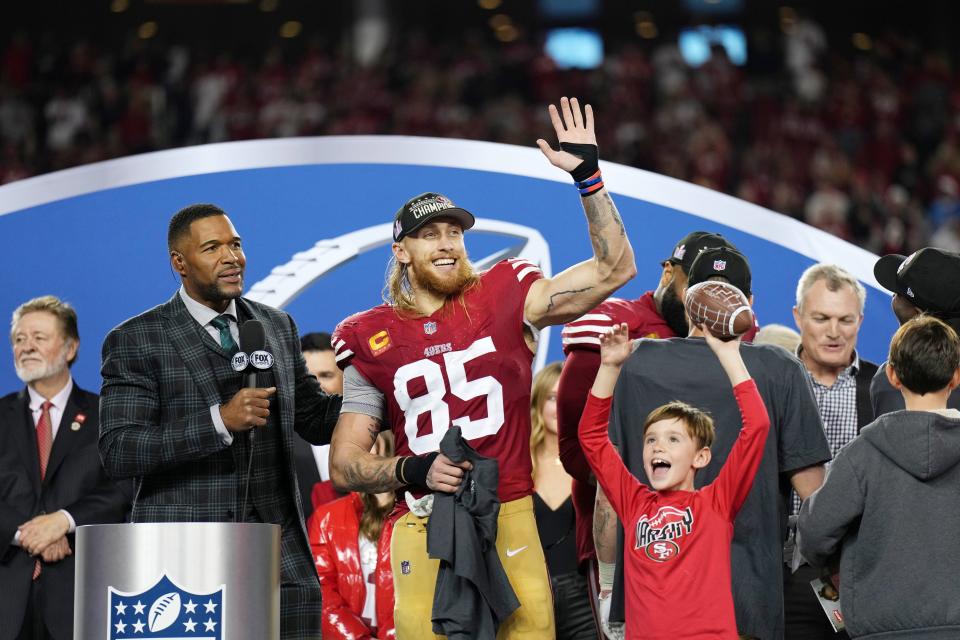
x=204, y=315
x=58, y=406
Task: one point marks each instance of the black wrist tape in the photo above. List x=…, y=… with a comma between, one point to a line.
x=412, y=470
x=590, y=155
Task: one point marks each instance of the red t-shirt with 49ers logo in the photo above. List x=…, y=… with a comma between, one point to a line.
x=677, y=543
x=466, y=365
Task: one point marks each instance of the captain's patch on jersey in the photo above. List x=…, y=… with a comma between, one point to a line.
x=379, y=342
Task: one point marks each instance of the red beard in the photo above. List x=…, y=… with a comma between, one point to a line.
x=445, y=285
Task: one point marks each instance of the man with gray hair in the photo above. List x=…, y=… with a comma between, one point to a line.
x=51, y=480
x=828, y=313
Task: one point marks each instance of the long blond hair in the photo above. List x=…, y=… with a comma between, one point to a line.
x=542, y=385
x=375, y=514
x=397, y=290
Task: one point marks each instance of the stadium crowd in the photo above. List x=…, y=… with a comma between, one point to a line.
x=861, y=143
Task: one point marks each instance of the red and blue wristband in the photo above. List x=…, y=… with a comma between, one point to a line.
x=591, y=185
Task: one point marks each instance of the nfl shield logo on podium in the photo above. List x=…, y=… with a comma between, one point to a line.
x=166, y=611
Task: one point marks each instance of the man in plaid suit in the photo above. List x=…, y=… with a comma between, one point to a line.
x=173, y=414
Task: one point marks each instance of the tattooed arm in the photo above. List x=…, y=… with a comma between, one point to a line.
x=573, y=292
x=352, y=466
x=604, y=528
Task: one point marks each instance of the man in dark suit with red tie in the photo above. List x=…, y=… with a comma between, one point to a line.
x=51, y=479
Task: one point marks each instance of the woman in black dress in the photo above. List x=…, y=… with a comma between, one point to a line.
x=553, y=508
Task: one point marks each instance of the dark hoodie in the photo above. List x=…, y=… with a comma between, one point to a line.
x=473, y=594
x=891, y=505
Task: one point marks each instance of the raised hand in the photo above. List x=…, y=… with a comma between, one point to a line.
x=728, y=353
x=717, y=345
x=571, y=126
x=615, y=345
x=615, y=348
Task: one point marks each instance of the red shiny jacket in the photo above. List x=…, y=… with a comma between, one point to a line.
x=333, y=530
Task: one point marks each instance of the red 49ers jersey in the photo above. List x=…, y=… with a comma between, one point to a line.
x=466, y=365
x=641, y=317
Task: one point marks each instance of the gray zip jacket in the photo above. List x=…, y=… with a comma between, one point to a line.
x=891, y=506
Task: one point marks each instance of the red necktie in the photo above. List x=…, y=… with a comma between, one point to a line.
x=44, y=437
x=44, y=444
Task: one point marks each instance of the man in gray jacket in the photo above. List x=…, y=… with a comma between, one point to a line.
x=888, y=504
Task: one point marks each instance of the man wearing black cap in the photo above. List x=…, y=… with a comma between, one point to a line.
x=455, y=347
x=681, y=369
x=655, y=314
x=928, y=281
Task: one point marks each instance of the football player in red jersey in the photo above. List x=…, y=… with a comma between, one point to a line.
x=455, y=347
x=655, y=314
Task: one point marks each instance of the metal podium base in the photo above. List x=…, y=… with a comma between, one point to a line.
x=169, y=581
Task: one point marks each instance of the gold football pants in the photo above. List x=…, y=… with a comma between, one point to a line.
x=518, y=545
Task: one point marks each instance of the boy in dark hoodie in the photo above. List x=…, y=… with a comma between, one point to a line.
x=890, y=503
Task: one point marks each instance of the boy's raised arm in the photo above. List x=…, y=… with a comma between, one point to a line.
x=615, y=348
x=728, y=353
x=735, y=479
x=619, y=485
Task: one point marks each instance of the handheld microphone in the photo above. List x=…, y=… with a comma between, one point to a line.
x=248, y=360
x=252, y=339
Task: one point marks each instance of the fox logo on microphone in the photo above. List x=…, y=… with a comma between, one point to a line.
x=261, y=359
x=166, y=611
x=240, y=361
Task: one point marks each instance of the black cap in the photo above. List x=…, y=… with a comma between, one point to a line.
x=423, y=208
x=929, y=278
x=692, y=244
x=724, y=262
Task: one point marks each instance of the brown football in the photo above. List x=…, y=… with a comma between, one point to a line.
x=721, y=307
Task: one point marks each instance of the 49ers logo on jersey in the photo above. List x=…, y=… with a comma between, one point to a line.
x=657, y=534
x=379, y=342
x=662, y=551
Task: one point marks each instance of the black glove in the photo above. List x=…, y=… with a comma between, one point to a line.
x=589, y=153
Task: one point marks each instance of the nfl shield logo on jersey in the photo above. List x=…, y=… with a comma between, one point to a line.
x=167, y=611
x=429, y=328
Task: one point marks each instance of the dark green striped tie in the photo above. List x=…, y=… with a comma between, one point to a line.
x=222, y=324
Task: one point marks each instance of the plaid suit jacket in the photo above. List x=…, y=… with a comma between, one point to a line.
x=155, y=424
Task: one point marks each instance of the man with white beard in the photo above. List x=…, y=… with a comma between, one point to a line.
x=51, y=479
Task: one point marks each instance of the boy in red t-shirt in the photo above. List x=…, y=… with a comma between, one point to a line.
x=677, y=539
